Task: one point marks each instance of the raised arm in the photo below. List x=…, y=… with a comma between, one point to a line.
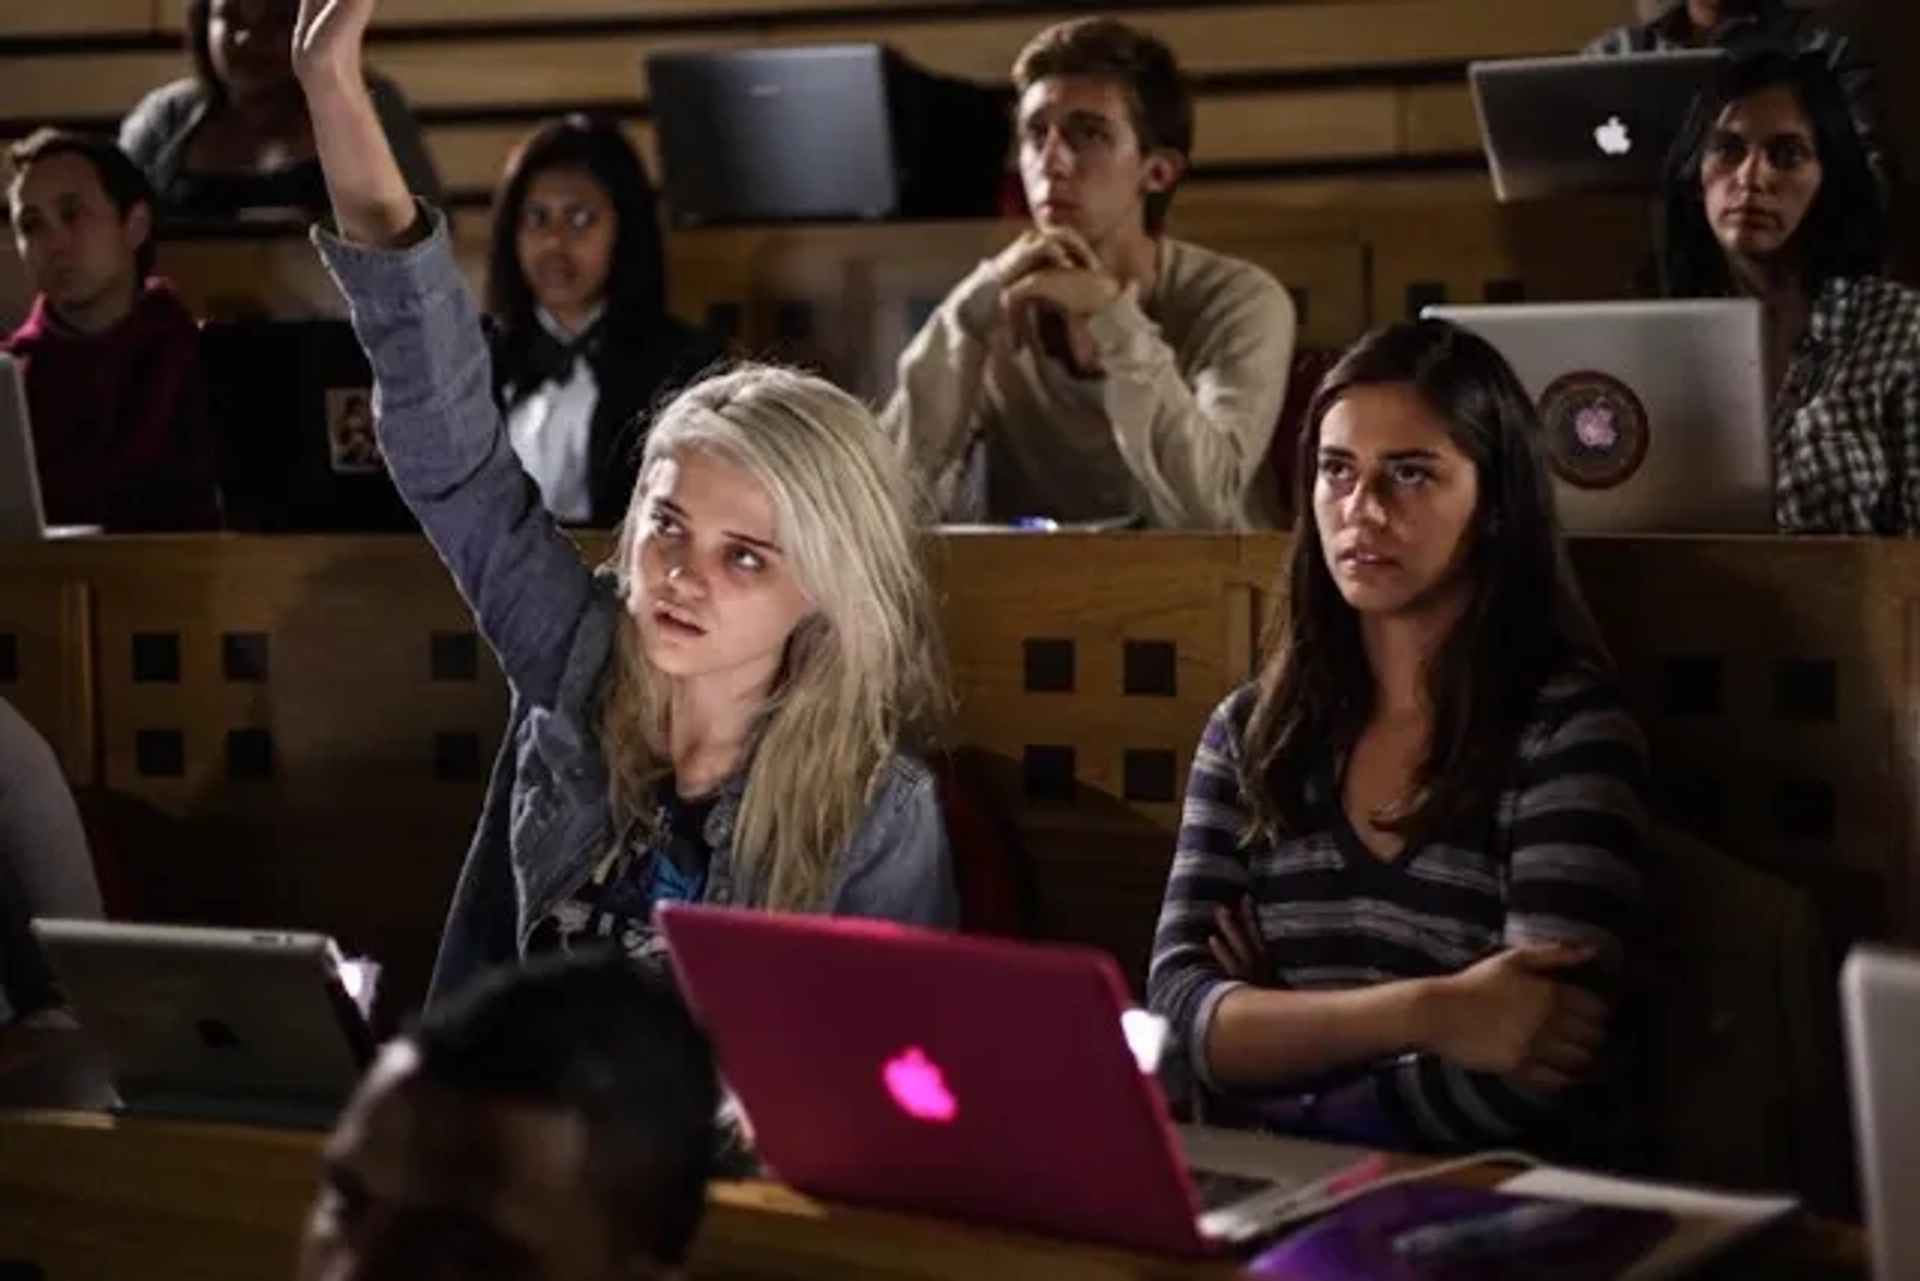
x=439, y=426
x=1196, y=441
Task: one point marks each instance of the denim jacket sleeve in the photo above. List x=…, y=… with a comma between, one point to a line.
x=899, y=867
x=446, y=446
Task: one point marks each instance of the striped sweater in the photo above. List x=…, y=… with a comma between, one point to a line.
x=1556, y=860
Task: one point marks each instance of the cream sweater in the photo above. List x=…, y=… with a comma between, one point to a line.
x=1175, y=433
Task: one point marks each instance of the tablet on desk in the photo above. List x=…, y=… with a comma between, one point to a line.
x=258, y=1026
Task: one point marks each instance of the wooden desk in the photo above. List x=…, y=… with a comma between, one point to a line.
x=88, y=1197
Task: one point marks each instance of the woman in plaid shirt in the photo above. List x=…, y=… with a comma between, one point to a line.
x=1770, y=196
x=1409, y=859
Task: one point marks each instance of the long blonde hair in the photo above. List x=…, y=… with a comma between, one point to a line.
x=862, y=673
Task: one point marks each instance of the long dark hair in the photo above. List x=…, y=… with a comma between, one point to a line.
x=636, y=291
x=1525, y=619
x=1845, y=231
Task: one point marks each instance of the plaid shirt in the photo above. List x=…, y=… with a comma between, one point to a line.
x=1774, y=26
x=1846, y=420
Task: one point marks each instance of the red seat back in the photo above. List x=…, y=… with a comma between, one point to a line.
x=987, y=870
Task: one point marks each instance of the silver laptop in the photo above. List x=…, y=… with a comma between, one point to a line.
x=1654, y=414
x=21, y=514
x=1880, y=1009
x=1579, y=123
x=234, y=1025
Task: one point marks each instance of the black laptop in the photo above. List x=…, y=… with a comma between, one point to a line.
x=809, y=133
x=291, y=403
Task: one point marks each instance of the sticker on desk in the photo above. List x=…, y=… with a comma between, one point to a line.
x=1596, y=429
x=351, y=446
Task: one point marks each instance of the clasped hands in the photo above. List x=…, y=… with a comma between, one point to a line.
x=1051, y=281
x=1510, y=1014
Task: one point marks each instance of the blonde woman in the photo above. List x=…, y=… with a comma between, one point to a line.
x=717, y=715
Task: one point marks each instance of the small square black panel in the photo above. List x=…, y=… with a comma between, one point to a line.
x=1696, y=802
x=456, y=757
x=159, y=753
x=1046, y=665
x=156, y=658
x=243, y=657
x=9, y=659
x=1803, y=809
x=1693, y=685
x=1422, y=294
x=249, y=755
x=1046, y=772
x=1146, y=776
x=1807, y=689
x=1148, y=669
x=453, y=656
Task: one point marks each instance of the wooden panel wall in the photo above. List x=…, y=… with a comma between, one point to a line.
x=320, y=710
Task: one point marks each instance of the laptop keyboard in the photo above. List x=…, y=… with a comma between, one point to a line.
x=1218, y=1190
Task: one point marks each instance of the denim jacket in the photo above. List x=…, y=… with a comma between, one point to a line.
x=552, y=623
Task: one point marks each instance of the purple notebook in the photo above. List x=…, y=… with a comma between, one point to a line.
x=1441, y=1232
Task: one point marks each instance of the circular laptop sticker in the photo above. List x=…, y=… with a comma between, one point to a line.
x=1596, y=429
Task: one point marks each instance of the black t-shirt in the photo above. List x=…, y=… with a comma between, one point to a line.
x=617, y=901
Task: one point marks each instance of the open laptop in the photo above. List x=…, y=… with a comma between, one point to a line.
x=971, y=1078
x=291, y=405
x=255, y=1026
x=1654, y=413
x=1880, y=1010
x=800, y=133
x=23, y=514
x=1577, y=123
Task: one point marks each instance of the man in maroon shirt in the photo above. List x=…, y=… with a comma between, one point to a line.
x=110, y=354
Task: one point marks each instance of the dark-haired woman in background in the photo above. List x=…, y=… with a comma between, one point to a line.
x=1769, y=196
x=584, y=347
x=233, y=140
x=1409, y=860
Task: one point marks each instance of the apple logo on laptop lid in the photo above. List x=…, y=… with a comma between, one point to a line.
x=1596, y=430
x=919, y=1088
x=1613, y=137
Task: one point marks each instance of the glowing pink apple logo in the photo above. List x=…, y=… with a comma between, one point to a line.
x=919, y=1088
x=1594, y=427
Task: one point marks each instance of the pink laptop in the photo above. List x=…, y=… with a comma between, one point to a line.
x=970, y=1078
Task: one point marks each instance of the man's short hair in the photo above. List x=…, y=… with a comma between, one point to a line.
x=1158, y=95
x=123, y=181
x=591, y=1034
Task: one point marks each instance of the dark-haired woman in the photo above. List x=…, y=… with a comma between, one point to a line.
x=584, y=348
x=1409, y=859
x=232, y=141
x=1769, y=196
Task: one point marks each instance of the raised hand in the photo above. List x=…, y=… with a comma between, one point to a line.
x=329, y=37
x=371, y=202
